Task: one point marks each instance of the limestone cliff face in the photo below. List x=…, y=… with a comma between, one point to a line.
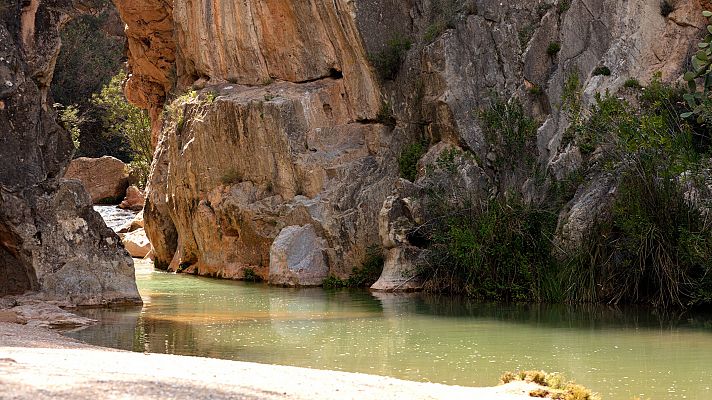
x=151, y=51
x=51, y=240
x=288, y=137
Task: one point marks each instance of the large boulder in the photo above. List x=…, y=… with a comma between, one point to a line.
x=105, y=178
x=297, y=258
x=137, y=243
x=402, y=260
x=133, y=200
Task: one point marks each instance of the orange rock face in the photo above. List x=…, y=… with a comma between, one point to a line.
x=104, y=178
x=151, y=52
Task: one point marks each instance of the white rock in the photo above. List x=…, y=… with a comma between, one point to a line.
x=297, y=258
x=137, y=243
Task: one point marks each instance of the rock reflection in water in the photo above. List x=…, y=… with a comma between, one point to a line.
x=622, y=352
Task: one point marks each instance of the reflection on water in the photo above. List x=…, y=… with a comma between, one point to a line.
x=620, y=353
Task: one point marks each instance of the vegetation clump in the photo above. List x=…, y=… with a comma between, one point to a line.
x=388, y=61
x=408, y=160
x=507, y=126
x=363, y=276
x=501, y=248
x=129, y=121
x=632, y=83
x=555, y=386
x=495, y=250
x=601, y=71
x=250, y=275
x=553, y=49
x=70, y=120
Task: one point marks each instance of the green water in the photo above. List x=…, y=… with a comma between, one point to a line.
x=619, y=353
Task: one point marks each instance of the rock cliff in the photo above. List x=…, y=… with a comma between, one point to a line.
x=304, y=107
x=51, y=240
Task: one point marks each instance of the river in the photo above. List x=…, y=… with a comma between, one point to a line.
x=621, y=353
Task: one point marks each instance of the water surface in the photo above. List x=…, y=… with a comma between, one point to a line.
x=619, y=353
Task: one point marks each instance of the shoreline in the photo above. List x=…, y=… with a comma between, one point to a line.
x=37, y=363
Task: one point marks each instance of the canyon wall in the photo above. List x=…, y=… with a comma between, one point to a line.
x=293, y=126
x=51, y=240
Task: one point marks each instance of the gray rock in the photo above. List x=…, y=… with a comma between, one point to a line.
x=51, y=240
x=297, y=258
x=400, y=270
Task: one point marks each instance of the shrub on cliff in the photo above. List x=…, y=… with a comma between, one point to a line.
x=654, y=245
x=388, y=61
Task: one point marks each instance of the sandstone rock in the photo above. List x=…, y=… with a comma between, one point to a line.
x=134, y=224
x=258, y=159
x=297, y=258
x=133, y=200
x=251, y=50
x=136, y=243
x=48, y=315
x=590, y=203
x=105, y=178
x=397, y=220
x=400, y=270
x=151, y=53
x=290, y=137
x=11, y=317
x=51, y=239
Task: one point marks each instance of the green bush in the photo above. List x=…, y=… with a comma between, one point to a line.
x=70, y=120
x=370, y=269
x=553, y=49
x=653, y=247
x=632, y=83
x=525, y=35
x=388, y=61
x=363, y=276
x=91, y=54
x=601, y=71
x=408, y=160
x=642, y=254
x=251, y=276
x=498, y=250
x=127, y=120
x=507, y=127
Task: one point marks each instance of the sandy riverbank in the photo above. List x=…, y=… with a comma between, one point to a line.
x=36, y=363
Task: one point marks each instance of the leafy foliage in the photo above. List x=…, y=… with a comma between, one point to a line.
x=388, y=61
x=639, y=254
x=493, y=250
x=408, y=160
x=363, y=276
x=91, y=54
x=69, y=117
x=507, y=126
x=700, y=102
x=127, y=120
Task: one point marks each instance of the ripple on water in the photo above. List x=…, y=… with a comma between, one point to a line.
x=620, y=353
